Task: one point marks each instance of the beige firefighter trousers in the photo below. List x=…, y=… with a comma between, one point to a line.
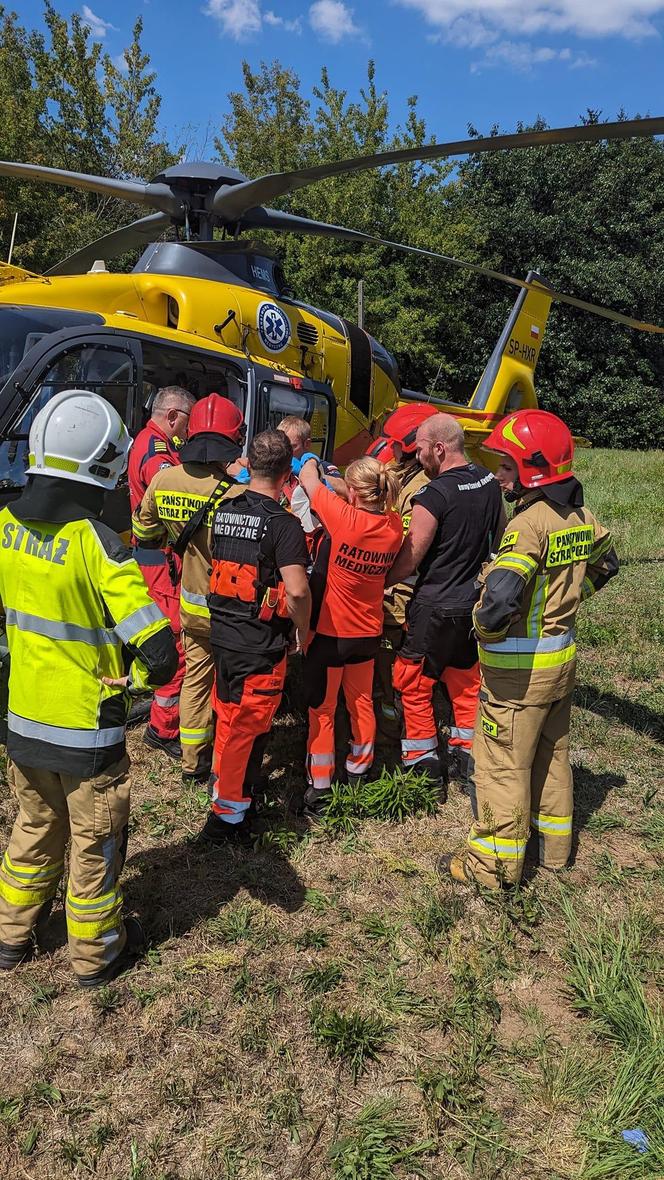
x=94, y=813
x=196, y=720
x=524, y=784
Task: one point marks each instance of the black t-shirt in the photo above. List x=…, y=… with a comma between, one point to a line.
x=253, y=530
x=466, y=504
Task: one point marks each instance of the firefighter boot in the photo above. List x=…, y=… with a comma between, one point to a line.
x=198, y=776
x=316, y=802
x=436, y=776
x=168, y=746
x=132, y=950
x=12, y=955
x=454, y=866
x=217, y=831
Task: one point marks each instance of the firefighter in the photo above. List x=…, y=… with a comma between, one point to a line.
x=155, y=449
x=553, y=555
x=259, y=595
x=82, y=631
x=178, y=506
x=396, y=446
x=364, y=537
x=456, y=520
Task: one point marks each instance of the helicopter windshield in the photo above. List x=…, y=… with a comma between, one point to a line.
x=125, y=369
x=22, y=327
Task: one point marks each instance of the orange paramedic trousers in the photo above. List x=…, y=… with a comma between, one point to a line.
x=331, y=664
x=247, y=693
x=436, y=647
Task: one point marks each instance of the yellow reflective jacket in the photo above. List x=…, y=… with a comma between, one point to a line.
x=76, y=609
x=174, y=495
x=550, y=559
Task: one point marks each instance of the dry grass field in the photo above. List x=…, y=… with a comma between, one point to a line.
x=322, y=1007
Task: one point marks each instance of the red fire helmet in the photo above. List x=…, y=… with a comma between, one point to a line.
x=539, y=443
x=400, y=427
x=215, y=414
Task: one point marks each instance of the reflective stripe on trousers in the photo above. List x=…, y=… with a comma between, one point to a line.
x=196, y=737
x=320, y=770
x=167, y=702
x=28, y=885
x=360, y=758
x=413, y=750
x=463, y=735
x=89, y=918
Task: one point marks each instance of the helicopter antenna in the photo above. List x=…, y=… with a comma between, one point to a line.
x=432, y=387
x=11, y=244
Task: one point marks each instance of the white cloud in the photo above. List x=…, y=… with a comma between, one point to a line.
x=278, y=22
x=582, y=61
x=120, y=63
x=472, y=22
x=522, y=57
x=333, y=20
x=239, y=19
x=97, y=26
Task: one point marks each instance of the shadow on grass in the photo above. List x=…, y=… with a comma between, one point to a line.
x=636, y=716
x=590, y=791
x=175, y=886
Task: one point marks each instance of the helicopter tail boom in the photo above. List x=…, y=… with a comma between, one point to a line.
x=509, y=374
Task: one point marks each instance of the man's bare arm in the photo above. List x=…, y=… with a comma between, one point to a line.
x=298, y=599
x=418, y=541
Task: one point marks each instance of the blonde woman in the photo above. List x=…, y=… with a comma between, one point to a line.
x=348, y=582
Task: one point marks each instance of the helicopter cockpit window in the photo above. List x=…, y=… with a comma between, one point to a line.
x=107, y=371
x=201, y=373
x=23, y=327
x=277, y=401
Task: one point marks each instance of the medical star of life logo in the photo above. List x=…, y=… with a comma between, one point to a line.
x=273, y=327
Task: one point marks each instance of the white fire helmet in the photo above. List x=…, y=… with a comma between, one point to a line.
x=79, y=436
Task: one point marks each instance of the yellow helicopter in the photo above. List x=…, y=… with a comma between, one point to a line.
x=217, y=314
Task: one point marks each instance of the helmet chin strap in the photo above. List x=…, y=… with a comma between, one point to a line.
x=517, y=492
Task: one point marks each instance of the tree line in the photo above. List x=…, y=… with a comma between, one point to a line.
x=589, y=216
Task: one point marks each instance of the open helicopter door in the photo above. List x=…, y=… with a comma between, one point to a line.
x=106, y=363
x=279, y=395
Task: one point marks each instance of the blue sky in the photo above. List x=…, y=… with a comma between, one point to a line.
x=479, y=61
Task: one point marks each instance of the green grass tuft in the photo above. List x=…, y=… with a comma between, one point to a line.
x=377, y=1146
x=435, y=915
x=352, y=1037
x=316, y=981
x=392, y=797
x=604, y=977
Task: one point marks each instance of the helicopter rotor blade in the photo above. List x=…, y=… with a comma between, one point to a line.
x=274, y=219
x=231, y=201
x=155, y=196
x=128, y=237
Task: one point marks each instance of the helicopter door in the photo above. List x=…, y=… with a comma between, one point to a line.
x=281, y=396
x=105, y=364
